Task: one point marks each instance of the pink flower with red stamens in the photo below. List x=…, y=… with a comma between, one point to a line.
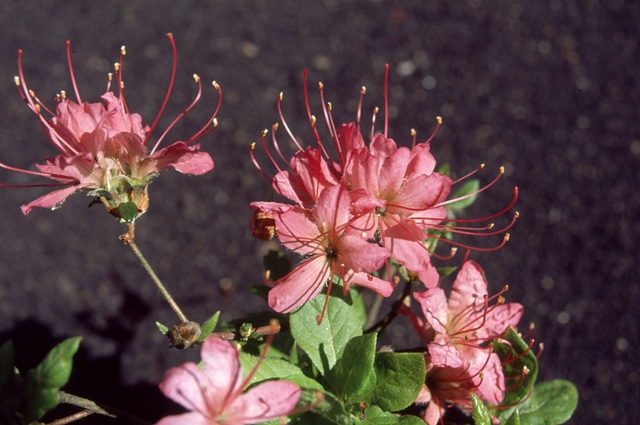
x=458, y=332
x=214, y=394
x=466, y=321
x=330, y=248
x=104, y=147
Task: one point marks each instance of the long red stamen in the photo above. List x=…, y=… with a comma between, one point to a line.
x=208, y=128
x=363, y=91
x=166, y=97
x=73, y=77
x=284, y=123
x=386, y=98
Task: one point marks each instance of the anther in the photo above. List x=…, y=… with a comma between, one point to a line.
x=481, y=166
x=16, y=80
x=116, y=66
x=313, y=120
x=253, y=145
x=216, y=85
x=215, y=122
x=413, y=132
x=363, y=90
x=196, y=78
x=501, y=170
x=63, y=94
x=274, y=127
x=329, y=107
x=264, y=132
x=439, y=119
x=281, y=95
x=320, y=85
x=110, y=76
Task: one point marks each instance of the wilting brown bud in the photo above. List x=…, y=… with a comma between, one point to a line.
x=184, y=335
x=263, y=226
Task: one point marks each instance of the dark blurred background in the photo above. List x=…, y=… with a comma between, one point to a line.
x=549, y=89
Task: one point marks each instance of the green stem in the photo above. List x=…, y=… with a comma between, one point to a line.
x=128, y=239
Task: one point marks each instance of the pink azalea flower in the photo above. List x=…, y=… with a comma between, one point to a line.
x=214, y=394
x=405, y=180
x=446, y=386
x=330, y=249
x=458, y=332
x=464, y=322
x=103, y=147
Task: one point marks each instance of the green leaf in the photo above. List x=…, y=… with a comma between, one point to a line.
x=398, y=380
x=324, y=343
x=332, y=409
x=446, y=271
x=128, y=212
x=467, y=188
x=355, y=367
x=209, y=326
x=514, y=419
x=444, y=169
x=373, y=415
x=551, y=403
x=480, y=413
x=43, y=382
x=519, y=374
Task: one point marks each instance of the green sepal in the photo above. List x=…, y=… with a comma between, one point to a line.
x=162, y=328
x=43, y=382
x=480, y=413
x=399, y=377
x=446, y=271
x=209, y=326
x=128, y=212
x=551, y=403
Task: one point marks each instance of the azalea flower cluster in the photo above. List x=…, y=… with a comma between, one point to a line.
x=351, y=215
x=103, y=147
x=458, y=333
x=375, y=203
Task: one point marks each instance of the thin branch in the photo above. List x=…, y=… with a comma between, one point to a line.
x=129, y=240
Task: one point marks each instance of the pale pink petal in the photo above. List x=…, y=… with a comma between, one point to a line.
x=359, y=255
x=51, y=200
x=469, y=288
x=188, y=386
x=429, y=276
x=179, y=156
x=420, y=193
x=191, y=418
x=222, y=368
x=499, y=319
x=381, y=146
x=292, y=188
x=384, y=288
x=297, y=232
x=349, y=138
x=332, y=209
x=444, y=354
x=435, y=309
x=490, y=387
x=422, y=162
x=433, y=413
x=265, y=401
x=392, y=173
x=302, y=284
x=413, y=255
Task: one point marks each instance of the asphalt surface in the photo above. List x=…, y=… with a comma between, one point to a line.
x=548, y=89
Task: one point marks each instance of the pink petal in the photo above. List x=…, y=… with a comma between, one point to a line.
x=422, y=162
x=469, y=288
x=51, y=200
x=188, y=386
x=222, y=368
x=500, y=318
x=359, y=255
x=191, y=418
x=298, y=233
x=444, y=354
x=265, y=401
x=435, y=309
x=181, y=157
x=302, y=284
x=332, y=208
x=384, y=288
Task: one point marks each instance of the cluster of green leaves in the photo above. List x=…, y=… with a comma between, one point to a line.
x=346, y=380
x=24, y=400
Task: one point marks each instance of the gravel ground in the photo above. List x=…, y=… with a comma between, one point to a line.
x=548, y=89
